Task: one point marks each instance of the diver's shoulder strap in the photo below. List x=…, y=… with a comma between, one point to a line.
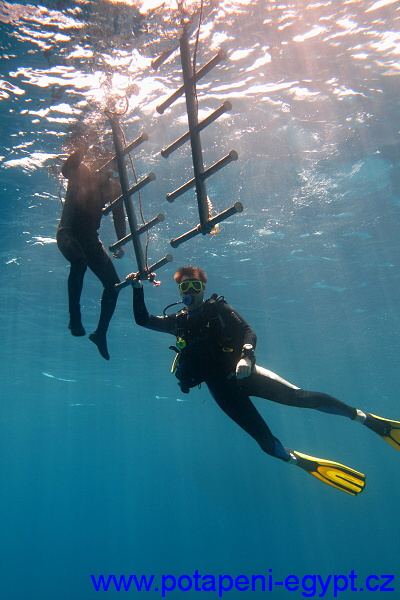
x=216, y=299
x=214, y=302
x=181, y=317
x=210, y=311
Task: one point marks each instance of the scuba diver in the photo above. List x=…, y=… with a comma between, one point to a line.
x=78, y=240
x=215, y=345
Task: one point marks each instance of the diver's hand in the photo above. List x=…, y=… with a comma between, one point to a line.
x=243, y=368
x=133, y=280
x=119, y=252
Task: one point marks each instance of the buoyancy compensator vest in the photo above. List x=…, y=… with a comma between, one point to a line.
x=202, y=339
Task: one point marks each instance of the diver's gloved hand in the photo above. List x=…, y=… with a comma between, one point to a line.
x=243, y=368
x=133, y=280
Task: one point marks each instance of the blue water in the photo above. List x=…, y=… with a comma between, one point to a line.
x=105, y=467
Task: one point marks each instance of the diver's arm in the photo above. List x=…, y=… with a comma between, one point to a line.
x=73, y=161
x=167, y=324
x=238, y=328
x=78, y=176
x=119, y=221
x=112, y=191
x=245, y=335
x=120, y=227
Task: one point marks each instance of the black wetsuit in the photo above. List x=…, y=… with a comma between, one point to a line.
x=214, y=337
x=78, y=238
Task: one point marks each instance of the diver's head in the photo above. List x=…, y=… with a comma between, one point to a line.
x=191, y=281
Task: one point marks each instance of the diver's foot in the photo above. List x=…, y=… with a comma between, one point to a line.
x=101, y=342
x=76, y=327
x=388, y=430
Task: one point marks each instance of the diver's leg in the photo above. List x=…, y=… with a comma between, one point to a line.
x=74, y=253
x=101, y=265
x=240, y=409
x=75, y=284
x=266, y=384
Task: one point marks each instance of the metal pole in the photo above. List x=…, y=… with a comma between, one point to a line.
x=130, y=211
x=191, y=107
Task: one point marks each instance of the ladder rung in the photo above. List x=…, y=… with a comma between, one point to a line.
x=158, y=219
x=197, y=76
x=142, y=138
x=203, y=176
x=135, y=188
x=202, y=125
x=147, y=274
x=237, y=207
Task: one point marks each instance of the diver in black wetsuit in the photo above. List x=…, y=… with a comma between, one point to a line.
x=216, y=346
x=78, y=240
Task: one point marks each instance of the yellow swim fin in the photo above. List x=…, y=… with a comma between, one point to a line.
x=388, y=430
x=330, y=472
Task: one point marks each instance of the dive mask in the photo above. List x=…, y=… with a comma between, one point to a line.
x=195, y=285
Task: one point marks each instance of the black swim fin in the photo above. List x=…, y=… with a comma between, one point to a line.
x=388, y=430
x=330, y=472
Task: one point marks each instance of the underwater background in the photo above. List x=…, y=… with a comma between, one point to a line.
x=105, y=468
